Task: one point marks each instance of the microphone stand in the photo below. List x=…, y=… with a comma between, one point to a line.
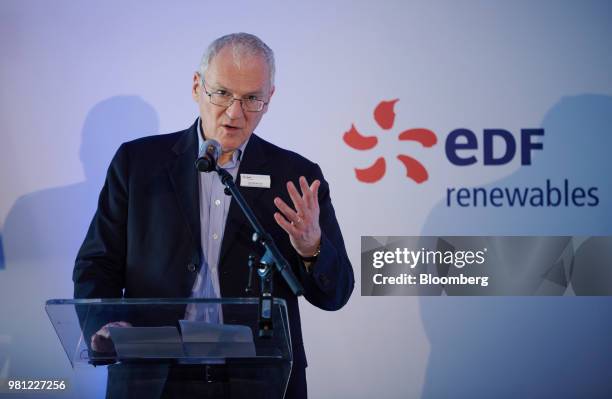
x=271, y=261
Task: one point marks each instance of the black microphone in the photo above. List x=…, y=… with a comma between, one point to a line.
x=207, y=161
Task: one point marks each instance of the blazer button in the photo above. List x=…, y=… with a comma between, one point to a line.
x=191, y=267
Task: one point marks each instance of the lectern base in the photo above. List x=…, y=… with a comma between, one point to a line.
x=222, y=381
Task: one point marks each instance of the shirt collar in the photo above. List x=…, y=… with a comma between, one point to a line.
x=236, y=156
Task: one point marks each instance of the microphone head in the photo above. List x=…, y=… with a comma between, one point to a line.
x=207, y=160
x=212, y=148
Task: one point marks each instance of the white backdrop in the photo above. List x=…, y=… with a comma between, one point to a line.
x=80, y=77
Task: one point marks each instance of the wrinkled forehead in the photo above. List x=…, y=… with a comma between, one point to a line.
x=239, y=71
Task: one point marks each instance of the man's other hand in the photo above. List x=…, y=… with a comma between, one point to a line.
x=101, y=340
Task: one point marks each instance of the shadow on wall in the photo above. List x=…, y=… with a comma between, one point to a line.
x=1, y=253
x=44, y=230
x=52, y=223
x=509, y=347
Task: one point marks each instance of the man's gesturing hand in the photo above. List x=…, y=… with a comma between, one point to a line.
x=302, y=224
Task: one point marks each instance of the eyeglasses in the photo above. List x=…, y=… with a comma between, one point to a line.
x=225, y=99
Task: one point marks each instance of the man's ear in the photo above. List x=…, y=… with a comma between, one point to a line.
x=196, y=87
x=270, y=98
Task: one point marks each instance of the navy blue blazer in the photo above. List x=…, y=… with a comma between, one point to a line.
x=144, y=239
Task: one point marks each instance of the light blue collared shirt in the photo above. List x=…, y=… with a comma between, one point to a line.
x=214, y=207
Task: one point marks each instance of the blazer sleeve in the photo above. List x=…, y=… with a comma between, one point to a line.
x=100, y=263
x=330, y=281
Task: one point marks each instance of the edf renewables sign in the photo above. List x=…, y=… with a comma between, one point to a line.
x=464, y=148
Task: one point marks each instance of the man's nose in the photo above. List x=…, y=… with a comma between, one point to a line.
x=235, y=111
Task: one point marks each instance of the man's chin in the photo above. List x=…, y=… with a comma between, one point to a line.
x=232, y=144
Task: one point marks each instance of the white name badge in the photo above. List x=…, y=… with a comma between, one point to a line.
x=261, y=181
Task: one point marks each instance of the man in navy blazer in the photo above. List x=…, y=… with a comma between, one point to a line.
x=146, y=238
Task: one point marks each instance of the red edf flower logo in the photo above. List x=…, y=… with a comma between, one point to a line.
x=385, y=117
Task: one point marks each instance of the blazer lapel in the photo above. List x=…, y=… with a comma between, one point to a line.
x=184, y=179
x=254, y=162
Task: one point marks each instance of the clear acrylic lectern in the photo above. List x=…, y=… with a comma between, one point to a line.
x=178, y=347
